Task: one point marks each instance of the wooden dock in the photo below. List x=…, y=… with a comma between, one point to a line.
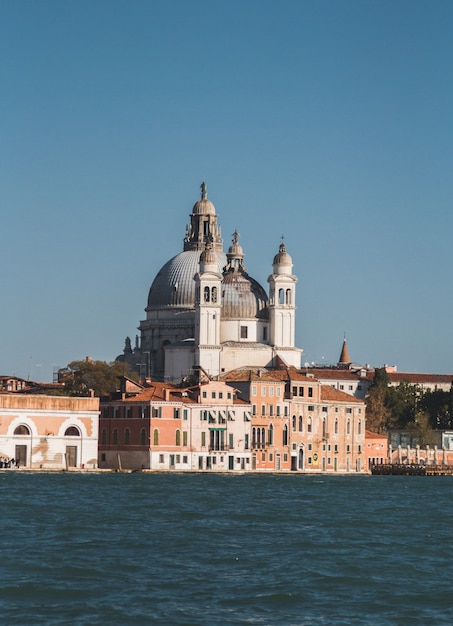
x=412, y=469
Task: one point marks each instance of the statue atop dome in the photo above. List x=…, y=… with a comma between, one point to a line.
x=204, y=191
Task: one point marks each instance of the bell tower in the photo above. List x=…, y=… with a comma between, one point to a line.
x=282, y=308
x=208, y=294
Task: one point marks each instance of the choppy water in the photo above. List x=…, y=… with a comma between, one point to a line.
x=89, y=549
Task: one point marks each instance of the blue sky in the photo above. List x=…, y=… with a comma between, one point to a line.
x=329, y=122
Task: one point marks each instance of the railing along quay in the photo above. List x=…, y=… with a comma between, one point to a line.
x=411, y=469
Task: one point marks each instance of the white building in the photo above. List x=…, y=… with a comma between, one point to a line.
x=205, y=311
x=49, y=432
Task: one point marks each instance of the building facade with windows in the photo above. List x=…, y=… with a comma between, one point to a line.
x=204, y=309
x=165, y=427
x=49, y=432
x=299, y=424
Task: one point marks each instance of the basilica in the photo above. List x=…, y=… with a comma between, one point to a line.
x=206, y=314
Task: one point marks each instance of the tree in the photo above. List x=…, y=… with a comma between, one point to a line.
x=80, y=378
x=402, y=403
x=439, y=407
x=378, y=416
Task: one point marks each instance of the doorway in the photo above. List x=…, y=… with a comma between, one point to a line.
x=21, y=455
x=71, y=456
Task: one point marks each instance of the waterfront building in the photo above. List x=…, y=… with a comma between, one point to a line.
x=165, y=427
x=376, y=449
x=299, y=424
x=204, y=309
x=49, y=432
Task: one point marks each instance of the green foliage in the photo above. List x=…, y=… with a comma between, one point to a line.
x=405, y=407
x=439, y=407
x=378, y=415
x=402, y=404
x=82, y=377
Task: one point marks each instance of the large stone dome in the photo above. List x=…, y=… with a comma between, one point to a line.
x=243, y=297
x=174, y=285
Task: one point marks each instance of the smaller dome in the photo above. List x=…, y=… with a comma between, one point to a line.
x=282, y=258
x=203, y=206
x=208, y=256
x=235, y=250
x=243, y=297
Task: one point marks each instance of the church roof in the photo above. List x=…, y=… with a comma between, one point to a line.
x=174, y=284
x=344, y=356
x=243, y=297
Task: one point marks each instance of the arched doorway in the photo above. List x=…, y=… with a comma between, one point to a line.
x=71, y=450
x=301, y=458
x=21, y=449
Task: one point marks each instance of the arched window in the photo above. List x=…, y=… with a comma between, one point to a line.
x=288, y=296
x=324, y=428
x=214, y=294
x=263, y=435
x=104, y=436
x=359, y=427
x=336, y=427
x=115, y=435
x=253, y=437
x=127, y=436
x=348, y=427
x=271, y=435
x=22, y=430
x=155, y=437
x=309, y=425
x=72, y=431
x=285, y=435
x=143, y=437
x=301, y=424
x=178, y=438
x=258, y=436
x=281, y=296
x=206, y=294
x=294, y=422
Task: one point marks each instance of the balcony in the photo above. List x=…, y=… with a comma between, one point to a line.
x=259, y=446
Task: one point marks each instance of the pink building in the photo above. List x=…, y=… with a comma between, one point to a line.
x=49, y=432
x=376, y=447
x=165, y=427
x=300, y=424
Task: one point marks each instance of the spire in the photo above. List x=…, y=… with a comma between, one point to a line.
x=344, y=356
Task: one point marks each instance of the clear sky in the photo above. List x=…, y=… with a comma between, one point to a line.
x=327, y=121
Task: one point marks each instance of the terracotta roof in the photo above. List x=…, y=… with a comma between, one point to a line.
x=258, y=374
x=370, y=435
x=328, y=393
x=419, y=379
x=344, y=356
x=337, y=374
x=155, y=392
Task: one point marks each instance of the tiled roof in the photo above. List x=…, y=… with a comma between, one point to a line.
x=155, y=392
x=336, y=374
x=419, y=379
x=370, y=435
x=259, y=374
x=329, y=394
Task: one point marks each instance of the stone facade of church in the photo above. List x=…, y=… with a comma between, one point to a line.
x=205, y=312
